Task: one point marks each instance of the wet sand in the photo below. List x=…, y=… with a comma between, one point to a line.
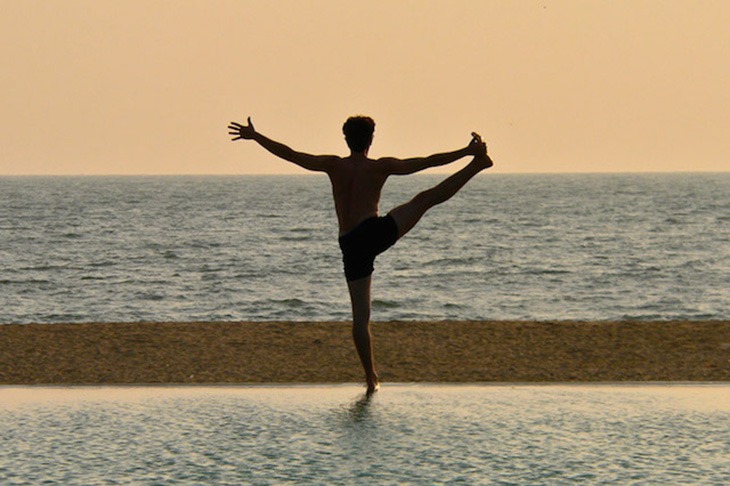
x=322, y=352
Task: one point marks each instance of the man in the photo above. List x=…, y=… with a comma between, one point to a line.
x=357, y=181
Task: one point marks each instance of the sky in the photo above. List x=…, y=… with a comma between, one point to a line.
x=149, y=86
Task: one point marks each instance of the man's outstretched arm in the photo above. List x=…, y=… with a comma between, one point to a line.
x=396, y=166
x=319, y=163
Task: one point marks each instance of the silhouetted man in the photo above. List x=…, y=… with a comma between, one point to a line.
x=356, y=185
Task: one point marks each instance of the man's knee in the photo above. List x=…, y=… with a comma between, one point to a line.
x=360, y=328
x=360, y=317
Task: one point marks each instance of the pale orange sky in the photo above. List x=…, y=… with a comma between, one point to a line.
x=148, y=87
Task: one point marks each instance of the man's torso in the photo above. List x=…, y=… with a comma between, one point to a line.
x=356, y=186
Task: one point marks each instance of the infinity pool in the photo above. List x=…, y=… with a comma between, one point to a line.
x=417, y=434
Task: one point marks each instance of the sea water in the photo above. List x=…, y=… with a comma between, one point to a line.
x=586, y=247
x=405, y=434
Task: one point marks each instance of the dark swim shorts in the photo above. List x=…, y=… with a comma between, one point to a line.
x=362, y=244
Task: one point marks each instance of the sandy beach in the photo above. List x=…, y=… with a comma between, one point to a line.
x=322, y=352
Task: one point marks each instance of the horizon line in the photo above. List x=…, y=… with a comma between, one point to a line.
x=237, y=174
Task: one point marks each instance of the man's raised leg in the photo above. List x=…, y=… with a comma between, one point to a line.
x=407, y=215
x=360, y=298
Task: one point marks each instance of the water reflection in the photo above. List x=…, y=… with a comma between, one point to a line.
x=359, y=411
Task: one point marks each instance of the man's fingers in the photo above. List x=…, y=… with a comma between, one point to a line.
x=476, y=136
x=238, y=126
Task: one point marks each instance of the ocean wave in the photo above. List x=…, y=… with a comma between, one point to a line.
x=24, y=281
x=103, y=263
x=288, y=302
x=385, y=304
x=295, y=238
x=545, y=271
x=153, y=296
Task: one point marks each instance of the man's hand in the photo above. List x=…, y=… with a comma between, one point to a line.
x=480, y=151
x=476, y=146
x=241, y=132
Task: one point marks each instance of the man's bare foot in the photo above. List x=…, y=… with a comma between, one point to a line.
x=373, y=384
x=482, y=162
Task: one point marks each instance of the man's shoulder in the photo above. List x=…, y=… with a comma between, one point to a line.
x=388, y=164
x=327, y=163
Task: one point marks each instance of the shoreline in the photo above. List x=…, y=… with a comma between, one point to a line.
x=436, y=352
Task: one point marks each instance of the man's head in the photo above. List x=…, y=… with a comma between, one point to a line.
x=358, y=132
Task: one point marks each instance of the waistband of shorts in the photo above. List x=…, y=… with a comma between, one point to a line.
x=360, y=224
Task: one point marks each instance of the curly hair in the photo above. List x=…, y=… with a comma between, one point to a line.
x=358, y=132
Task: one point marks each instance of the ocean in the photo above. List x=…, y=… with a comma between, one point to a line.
x=229, y=248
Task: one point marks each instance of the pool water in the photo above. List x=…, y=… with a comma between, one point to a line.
x=334, y=434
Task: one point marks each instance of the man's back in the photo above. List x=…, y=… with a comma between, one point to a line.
x=357, y=182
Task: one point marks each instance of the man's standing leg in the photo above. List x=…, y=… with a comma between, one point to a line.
x=360, y=298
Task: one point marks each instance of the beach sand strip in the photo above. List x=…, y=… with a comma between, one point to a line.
x=323, y=352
